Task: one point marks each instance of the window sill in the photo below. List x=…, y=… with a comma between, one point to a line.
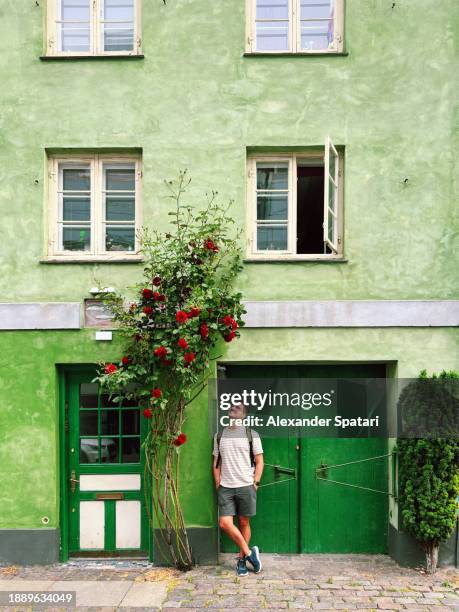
x=59, y=259
x=280, y=260
x=293, y=53
x=52, y=58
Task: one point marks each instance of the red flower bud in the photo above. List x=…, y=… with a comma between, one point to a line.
x=230, y=336
x=156, y=392
x=148, y=310
x=147, y=294
x=194, y=312
x=182, y=343
x=156, y=281
x=204, y=331
x=234, y=325
x=228, y=320
x=125, y=360
x=180, y=439
x=189, y=357
x=147, y=413
x=110, y=368
x=160, y=352
x=181, y=316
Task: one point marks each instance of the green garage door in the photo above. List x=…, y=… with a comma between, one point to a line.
x=303, y=514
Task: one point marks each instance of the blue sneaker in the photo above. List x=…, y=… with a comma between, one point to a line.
x=241, y=567
x=254, y=559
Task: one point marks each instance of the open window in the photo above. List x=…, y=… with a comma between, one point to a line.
x=295, y=26
x=93, y=27
x=295, y=207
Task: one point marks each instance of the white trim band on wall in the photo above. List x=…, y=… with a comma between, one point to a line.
x=353, y=313
x=40, y=315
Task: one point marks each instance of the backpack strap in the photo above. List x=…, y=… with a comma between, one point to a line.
x=248, y=432
x=219, y=458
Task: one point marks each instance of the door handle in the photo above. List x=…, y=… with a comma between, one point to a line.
x=285, y=470
x=73, y=481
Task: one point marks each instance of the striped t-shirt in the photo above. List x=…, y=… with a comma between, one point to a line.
x=236, y=470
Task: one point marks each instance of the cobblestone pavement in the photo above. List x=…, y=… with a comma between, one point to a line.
x=319, y=582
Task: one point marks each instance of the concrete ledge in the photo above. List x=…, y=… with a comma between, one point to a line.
x=353, y=313
x=203, y=542
x=29, y=546
x=40, y=315
x=408, y=553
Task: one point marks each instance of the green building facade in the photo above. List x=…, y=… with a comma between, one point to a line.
x=274, y=110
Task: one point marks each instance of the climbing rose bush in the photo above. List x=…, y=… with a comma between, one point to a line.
x=180, y=313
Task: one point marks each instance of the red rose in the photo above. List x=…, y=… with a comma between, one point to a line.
x=161, y=297
x=125, y=360
x=210, y=245
x=182, y=343
x=230, y=336
x=156, y=281
x=147, y=294
x=204, y=330
x=181, y=316
x=148, y=310
x=228, y=320
x=189, y=357
x=156, y=392
x=160, y=352
x=180, y=439
x=234, y=325
x=194, y=312
x=147, y=413
x=156, y=295
x=110, y=368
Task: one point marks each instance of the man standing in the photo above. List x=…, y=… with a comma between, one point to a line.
x=237, y=467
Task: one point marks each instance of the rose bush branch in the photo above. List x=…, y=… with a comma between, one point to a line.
x=183, y=308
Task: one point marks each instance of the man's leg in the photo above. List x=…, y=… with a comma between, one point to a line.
x=226, y=523
x=244, y=528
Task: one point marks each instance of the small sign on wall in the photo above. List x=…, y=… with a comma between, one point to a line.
x=96, y=314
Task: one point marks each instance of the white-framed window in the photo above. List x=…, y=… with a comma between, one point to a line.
x=295, y=26
x=94, y=206
x=93, y=27
x=295, y=205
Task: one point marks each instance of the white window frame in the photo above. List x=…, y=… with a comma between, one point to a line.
x=96, y=43
x=294, y=38
x=293, y=159
x=97, y=251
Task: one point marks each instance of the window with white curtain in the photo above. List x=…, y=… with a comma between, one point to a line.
x=295, y=26
x=93, y=27
x=295, y=207
x=94, y=205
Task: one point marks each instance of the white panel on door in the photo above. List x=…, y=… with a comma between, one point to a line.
x=127, y=524
x=92, y=524
x=109, y=482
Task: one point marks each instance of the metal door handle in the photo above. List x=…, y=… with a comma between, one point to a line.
x=73, y=481
x=285, y=470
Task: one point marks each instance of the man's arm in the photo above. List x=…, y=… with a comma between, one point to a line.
x=259, y=465
x=217, y=471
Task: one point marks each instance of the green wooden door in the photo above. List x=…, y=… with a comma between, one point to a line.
x=311, y=515
x=104, y=475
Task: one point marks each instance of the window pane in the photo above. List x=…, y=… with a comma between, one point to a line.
x=316, y=35
x=316, y=9
x=332, y=196
x=76, y=209
x=272, y=176
x=130, y=422
x=88, y=423
x=272, y=207
x=331, y=227
x=76, y=238
x=120, y=209
x=109, y=450
x=130, y=450
x=120, y=239
x=272, y=9
x=272, y=238
x=118, y=10
x=117, y=38
x=75, y=10
x=75, y=37
x=109, y=422
x=88, y=395
x=272, y=36
x=119, y=179
x=89, y=450
x=76, y=179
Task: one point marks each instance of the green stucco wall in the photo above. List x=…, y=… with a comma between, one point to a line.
x=196, y=102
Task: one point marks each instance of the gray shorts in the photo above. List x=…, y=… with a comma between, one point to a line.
x=240, y=501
